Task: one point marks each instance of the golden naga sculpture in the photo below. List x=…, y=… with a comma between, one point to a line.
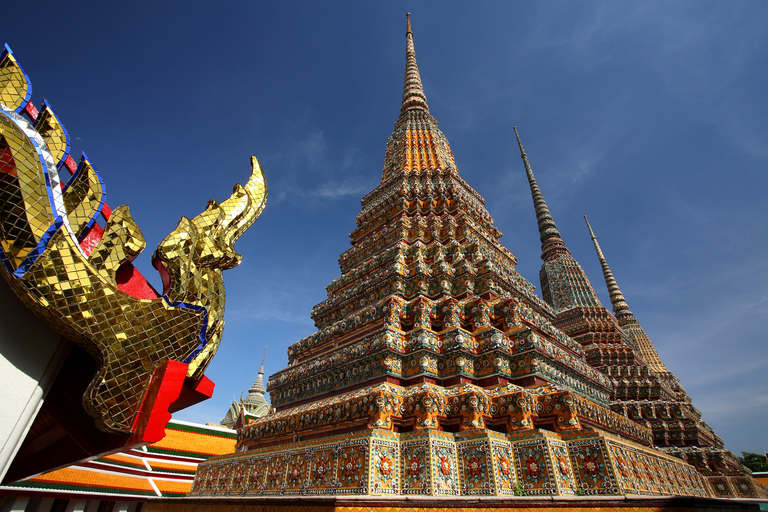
x=77, y=275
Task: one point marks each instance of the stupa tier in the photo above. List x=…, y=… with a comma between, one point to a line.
x=437, y=370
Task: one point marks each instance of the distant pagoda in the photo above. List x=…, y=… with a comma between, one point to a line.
x=253, y=406
x=436, y=369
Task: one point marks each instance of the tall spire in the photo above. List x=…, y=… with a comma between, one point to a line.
x=635, y=335
x=620, y=306
x=413, y=91
x=416, y=145
x=548, y=233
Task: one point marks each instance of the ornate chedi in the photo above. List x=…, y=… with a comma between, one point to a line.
x=643, y=388
x=436, y=369
x=67, y=256
x=676, y=424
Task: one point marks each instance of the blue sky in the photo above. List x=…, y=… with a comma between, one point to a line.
x=649, y=117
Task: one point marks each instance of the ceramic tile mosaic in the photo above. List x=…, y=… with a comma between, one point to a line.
x=477, y=468
x=640, y=471
x=534, y=467
x=415, y=466
x=445, y=473
x=594, y=474
x=385, y=466
x=256, y=476
x=504, y=468
x=297, y=472
x=275, y=474
x=321, y=470
x=564, y=474
x=352, y=469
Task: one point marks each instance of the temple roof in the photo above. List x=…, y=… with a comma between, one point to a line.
x=163, y=469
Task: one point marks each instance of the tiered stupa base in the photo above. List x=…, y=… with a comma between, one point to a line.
x=445, y=504
x=472, y=463
x=374, y=442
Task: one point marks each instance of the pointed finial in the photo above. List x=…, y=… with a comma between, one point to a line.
x=548, y=233
x=258, y=386
x=413, y=91
x=620, y=306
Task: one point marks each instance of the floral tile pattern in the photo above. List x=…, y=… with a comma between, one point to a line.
x=744, y=486
x=534, y=467
x=445, y=473
x=415, y=464
x=256, y=476
x=321, y=476
x=721, y=487
x=385, y=467
x=351, y=472
x=477, y=471
x=647, y=473
x=238, y=481
x=274, y=475
x=469, y=463
x=593, y=470
x=504, y=467
x=563, y=471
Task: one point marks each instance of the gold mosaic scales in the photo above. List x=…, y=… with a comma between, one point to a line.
x=72, y=285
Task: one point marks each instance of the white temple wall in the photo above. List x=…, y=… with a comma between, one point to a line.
x=30, y=357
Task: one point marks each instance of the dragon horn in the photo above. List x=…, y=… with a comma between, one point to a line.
x=244, y=206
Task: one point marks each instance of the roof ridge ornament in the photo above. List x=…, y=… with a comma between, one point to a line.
x=64, y=266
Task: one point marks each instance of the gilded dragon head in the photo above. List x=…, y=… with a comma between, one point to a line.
x=78, y=276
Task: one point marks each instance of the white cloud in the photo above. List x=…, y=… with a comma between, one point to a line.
x=331, y=173
x=333, y=190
